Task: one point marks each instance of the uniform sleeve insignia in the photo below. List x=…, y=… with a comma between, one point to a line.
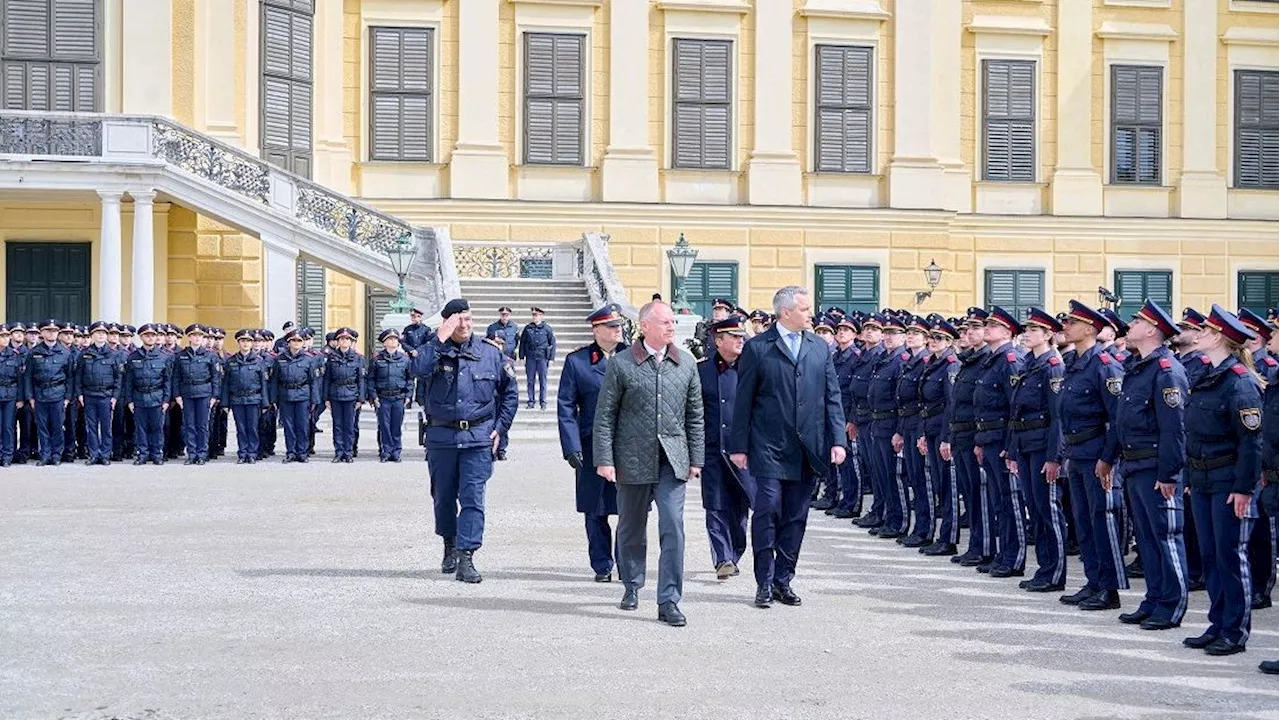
x=951, y=376
x=1055, y=384
x=1114, y=385
x=1105, y=358
x=1240, y=369
x=1165, y=364
x=595, y=357
x=1172, y=397
x=1055, y=361
x=905, y=357
x=1251, y=418
x=1269, y=361
x=1011, y=357
x=1014, y=379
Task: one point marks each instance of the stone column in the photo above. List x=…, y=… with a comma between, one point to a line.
x=773, y=170
x=215, y=44
x=144, y=270
x=280, y=275
x=110, y=263
x=629, y=170
x=147, y=58
x=333, y=156
x=1202, y=189
x=957, y=179
x=1077, y=184
x=915, y=175
x=479, y=166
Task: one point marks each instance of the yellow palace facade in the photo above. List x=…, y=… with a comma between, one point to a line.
x=1035, y=150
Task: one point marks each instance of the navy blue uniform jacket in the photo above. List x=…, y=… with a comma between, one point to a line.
x=576, y=410
x=719, y=397
x=790, y=411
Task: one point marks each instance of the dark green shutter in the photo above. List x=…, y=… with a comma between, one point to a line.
x=702, y=80
x=377, y=306
x=1136, y=124
x=843, y=136
x=1015, y=290
x=1259, y=290
x=553, y=98
x=1135, y=287
x=311, y=291
x=850, y=287
x=1009, y=120
x=400, y=94
x=287, y=85
x=1257, y=126
x=49, y=54
x=708, y=281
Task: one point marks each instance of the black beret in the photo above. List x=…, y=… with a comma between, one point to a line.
x=455, y=306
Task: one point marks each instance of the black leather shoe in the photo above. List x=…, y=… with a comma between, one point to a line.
x=1023, y=584
x=1201, y=641
x=157, y=461
x=1222, y=647
x=140, y=461
x=630, y=599
x=764, y=597
x=1136, y=617
x=449, y=563
x=888, y=534
x=604, y=577
x=985, y=566
x=1104, y=600
x=939, y=549
x=842, y=514
x=1079, y=596
x=976, y=560
x=867, y=521
x=1195, y=586
x=1134, y=569
x=1260, y=601
x=1270, y=667
x=1041, y=586
x=1158, y=624
x=467, y=572
x=671, y=615
x=1004, y=572
x=785, y=595
x=962, y=558
x=822, y=504
x=916, y=541
x=336, y=459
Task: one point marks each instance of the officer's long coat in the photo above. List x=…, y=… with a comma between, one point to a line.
x=576, y=410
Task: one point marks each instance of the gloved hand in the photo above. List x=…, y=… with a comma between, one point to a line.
x=575, y=460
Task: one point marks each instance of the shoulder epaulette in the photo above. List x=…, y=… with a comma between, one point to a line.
x=905, y=356
x=953, y=359
x=1105, y=357
x=1204, y=360
x=1165, y=363
x=1269, y=361
x=1240, y=369
x=1055, y=360
x=1011, y=356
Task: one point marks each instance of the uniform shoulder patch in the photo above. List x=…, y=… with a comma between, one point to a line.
x=1115, y=385
x=1011, y=357
x=1055, y=360
x=1172, y=397
x=905, y=356
x=1055, y=384
x=1251, y=418
x=1269, y=361
x=1240, y=369
x=953, y=360
x=1165, y=363
x=1204, y=360
x=1105, y=358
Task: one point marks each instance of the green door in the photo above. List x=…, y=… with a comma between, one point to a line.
x=377, y=304
x=46, y=280
x=708, y=281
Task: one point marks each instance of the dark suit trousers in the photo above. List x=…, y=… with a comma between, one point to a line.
x=781, y=511
x=633, y=521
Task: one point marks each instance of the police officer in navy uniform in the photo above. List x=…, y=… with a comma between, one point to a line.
x=1267, y=496
x=1091, y=386
x=537, y=347
x=48, y=388
x=416, y=333
x=147, y=391
x=244, y=391
x=963, y=427
x=493, y=338
x=343, y=389
x=580, y=383
x=219, y=415
x=70, y=415
x=846, y=357
x=860, y=433
x=1223, y=420
x=269, y=423
x=1035, y=432
x=470, y=398
x=295, y=388
x=504, y=328
x=1261, y=555
x=826, y=493
x=883, y=400
x=726, y=489
x=196, y=388
x=992, y=399
x=99, y=384
x=390, y=388
x=934, y=394
x=13, y=365
x=906, y=439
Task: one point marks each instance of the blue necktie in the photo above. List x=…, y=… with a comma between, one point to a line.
x=793, y=344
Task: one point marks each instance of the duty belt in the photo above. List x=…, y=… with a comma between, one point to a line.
x=960, y=427
x=1139, y=454
x=460, y=424
x=47, y=385
x=1023, y=425
x=884, y=415
x=993, y=425
x=1085, y=435
x=390, y=394
x=294, y=386
x=908, y=412
x=1206, y=464
x=932, y=411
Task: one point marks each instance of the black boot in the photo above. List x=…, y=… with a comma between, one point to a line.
x=450, y=562
x=466, y=568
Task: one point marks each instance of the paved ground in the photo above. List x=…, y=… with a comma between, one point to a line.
x=312, y=592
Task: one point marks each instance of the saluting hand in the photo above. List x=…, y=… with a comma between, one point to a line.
x=447, y=327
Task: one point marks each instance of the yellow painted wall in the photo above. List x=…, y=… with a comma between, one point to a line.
x=215, y=273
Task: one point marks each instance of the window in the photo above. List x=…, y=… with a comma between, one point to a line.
x=851, y=287
x=702, y=91
x=49, y=55
x=553, y=99
x=311, y=286
x=1256, y=120
x=1008, y=120
x=1015, y=290
x=1259, y=290
x=708, y=281
x=286, y=84
x=1136, y=123
x=843, y=137
x=400, y=86
x=1135, y=287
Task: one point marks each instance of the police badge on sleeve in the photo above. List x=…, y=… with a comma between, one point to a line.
x=1251, y=418
x=1172, y=397
x=1055, y=384
x=1114, y=385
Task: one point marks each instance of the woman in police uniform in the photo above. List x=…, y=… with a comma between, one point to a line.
x=1224, y=415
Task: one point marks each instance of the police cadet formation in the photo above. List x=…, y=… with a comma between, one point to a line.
x=1078, y=433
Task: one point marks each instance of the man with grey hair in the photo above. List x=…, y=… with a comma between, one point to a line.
x=648, y=438
x=788, y=429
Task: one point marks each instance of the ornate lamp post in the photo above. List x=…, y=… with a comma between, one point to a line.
x=401, y=255
x=681, y=258
x=932, y=276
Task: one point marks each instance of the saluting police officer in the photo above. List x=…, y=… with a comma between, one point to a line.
x=343, y=390
x=390, y=388
x=13, y=364
x=99, y=384
x=295, y=388
x=537, y=347
x=50, y=366
x=244, y=391
x=147, y=384
x=196, y=387
x=580, y=384
x=470, y=398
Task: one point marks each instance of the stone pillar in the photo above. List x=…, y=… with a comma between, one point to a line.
x=629, y=170
x=1202, y=189
x=110, y=262
x=773, y=170
x=333, y=156
x=147, y=58
x=479, y=167
x=1077, y=184
x=957, y=192
x=215, y=97
x=280, y=275
x=915, y=175
x=144, y=269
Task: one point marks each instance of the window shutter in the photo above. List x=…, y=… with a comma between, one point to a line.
x=1009, y=120
x=277, y=27
x=75, y=29
x=400, y=94
x=1135, y=287
x=26, y=29
x=722, y=281
x=311, y=295
x=1257, y=151
x=852, y=287
x=1137, y=98
x=703, y=90
x=1001, y=289
x=553, y=125
x=844, y=109
x=1015, y=290
x=716, y=118
x=1259, y=290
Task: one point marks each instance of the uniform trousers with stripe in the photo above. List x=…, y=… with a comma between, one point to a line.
x=1158, y=528
x=1006, y=492
x=1045, y=501
x=946, y=480
x=978, y=499
x=917, y=477
x=1096, y=513
x=1224, y=540
x=886, y=470
x=851, y=474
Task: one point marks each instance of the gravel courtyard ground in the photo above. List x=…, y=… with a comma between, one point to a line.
x=290, y=591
